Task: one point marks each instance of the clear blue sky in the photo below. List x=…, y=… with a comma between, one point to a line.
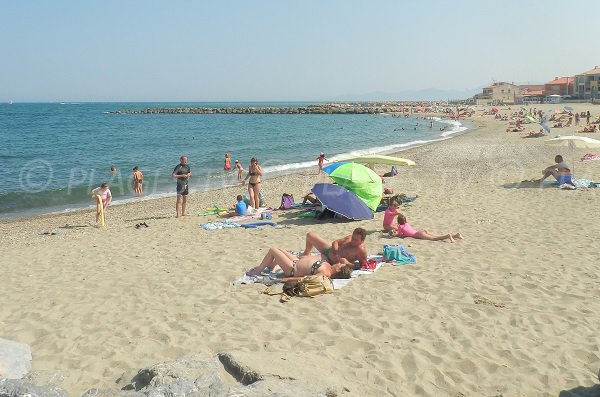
x=121, y=50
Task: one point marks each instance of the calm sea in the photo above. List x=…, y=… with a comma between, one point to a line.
x=53, y=154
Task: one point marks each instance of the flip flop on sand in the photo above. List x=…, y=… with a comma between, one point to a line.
x=48, y=233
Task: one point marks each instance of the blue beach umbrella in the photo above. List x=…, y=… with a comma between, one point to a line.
x=342, y=201
x=331, y=167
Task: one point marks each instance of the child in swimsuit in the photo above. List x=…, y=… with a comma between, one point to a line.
x=320, y=160
x=240, y=169
x=106, y=197
x=388, y=217
x=227, y=166
x=406, y=230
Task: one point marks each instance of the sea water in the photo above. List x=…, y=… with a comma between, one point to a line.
x=53, y=154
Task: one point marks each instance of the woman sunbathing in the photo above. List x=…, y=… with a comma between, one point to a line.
x=590, y=128
x=533, y=134
x=295, y=267
x=406, y=230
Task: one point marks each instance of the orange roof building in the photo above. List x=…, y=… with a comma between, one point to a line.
x=560, y=86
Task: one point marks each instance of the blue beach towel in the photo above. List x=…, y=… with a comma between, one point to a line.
x=397, y=254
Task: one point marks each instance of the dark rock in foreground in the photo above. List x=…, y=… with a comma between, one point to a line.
x=191, y=376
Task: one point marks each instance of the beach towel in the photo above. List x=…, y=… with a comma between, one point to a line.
x=377, y=260
x=269, y=278
x=266, y=279
x=579, y=184
x=213, y=211
x=219, y=225
x=397, y=254
x=248, y=217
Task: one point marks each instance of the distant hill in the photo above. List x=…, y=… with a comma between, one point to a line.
x=428, y=94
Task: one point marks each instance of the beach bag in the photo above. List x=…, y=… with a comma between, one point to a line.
x=261, y=199
x=287, y=201
x=307, y=286
x=393, y=172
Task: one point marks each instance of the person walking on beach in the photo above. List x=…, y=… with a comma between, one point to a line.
x=406, y=230
x=105, y=197
x=138, y=178
x=182, y=173
x=320, y=160
x=254, y=174
x=240, y=170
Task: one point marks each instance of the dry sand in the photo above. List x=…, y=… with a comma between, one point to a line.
x=512, y=310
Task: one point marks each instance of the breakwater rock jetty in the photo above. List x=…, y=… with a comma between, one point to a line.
x=331, y=108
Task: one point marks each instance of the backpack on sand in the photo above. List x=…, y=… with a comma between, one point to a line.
x=287, y=201
x=308, y=286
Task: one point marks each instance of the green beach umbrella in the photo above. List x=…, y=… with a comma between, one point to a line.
x=361, y=180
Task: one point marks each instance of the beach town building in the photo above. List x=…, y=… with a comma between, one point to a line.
x=587, y=84
x=531, y=93
x=498, y=93
x=562, y=86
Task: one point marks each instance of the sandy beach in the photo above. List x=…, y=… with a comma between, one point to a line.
x=511, y=310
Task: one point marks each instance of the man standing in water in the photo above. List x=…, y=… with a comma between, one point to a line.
x=182, y=173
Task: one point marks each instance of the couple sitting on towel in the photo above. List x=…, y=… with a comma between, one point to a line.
x=335, y=259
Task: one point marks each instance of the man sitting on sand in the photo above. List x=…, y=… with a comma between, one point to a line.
x=560, y=171
x=345, y=250
x=295, y=267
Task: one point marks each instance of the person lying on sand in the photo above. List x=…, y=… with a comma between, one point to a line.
x=406, y=230
x=590, y=128
x=345, y=250
x=534, y=134
x=309, y=198
x=295, y=267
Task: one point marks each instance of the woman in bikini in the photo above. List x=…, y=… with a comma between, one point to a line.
x=253, y=177
x=297, y=267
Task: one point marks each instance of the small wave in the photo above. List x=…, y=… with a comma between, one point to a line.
x=354, y=153
x=456, y=127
